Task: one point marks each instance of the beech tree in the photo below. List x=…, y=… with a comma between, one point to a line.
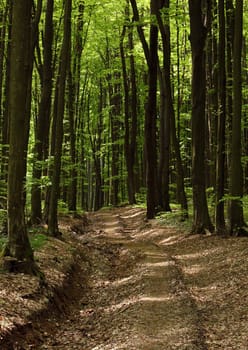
x=221, y=148
x=18, y=245
x=237, y=223
x=43, y=119
x=130, y=105
x=198, y=34
x=150, y=118
x=53, y=229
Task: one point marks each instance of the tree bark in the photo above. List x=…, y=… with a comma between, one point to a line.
x=53, y=229
x=5, y=126
x=237, y=223
x=198, y=32
x=43, y=118
x=166, y=108
x=220, y=158
x=18, y=245
x=150, y=120
x=130, y=112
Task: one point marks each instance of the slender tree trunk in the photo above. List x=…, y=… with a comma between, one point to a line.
x=166, y=107
x=150, y=120
x=140, y=30
x=164, y=159
x=134, y=116
x=43, y=118
x=236, y=208
x=126, y=115
x=3, y=29
x=96, y=143
x=198, y=32
x=229, y=82
x=150, y=110
x=64, y=60
x=72, y=202
x=115, y=102
x=212, y=96
x=74, y=90
x=220, y=159
x=170, y=124
x=130, y=130
x=5, y=130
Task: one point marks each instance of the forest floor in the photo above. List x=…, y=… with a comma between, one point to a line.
x=120, y=282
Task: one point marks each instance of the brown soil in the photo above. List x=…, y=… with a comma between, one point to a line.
x=120, y=282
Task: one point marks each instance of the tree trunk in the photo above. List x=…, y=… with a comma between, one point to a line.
x=18, y=246
x=229, y=73
x=201, y=220
x=43, y=118
x=5, y=126
x=130, y=128
x=74, y=100
x=237, y=223
x=134, y=116
x=166, y=107
x=64, y=60
x=72, y=200
x=220, y=159
x=3, y=29
x=150, y=120
x=115, y=102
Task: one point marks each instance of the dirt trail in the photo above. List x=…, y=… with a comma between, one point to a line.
x=133, y=298
x=125, y=283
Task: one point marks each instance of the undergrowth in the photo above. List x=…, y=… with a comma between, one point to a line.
x=37, y=240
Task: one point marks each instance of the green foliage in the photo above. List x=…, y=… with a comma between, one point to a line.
x=245, y=207
x=38, y=240
x=3, y=240
x=62, y=207
x=174, y=218
x=141, y=196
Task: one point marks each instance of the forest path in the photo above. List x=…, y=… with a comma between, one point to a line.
x=146, y=286
x=135, y=297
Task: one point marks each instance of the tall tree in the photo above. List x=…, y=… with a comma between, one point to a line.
x=198, y=33
x=5, y=112
x=166, y=108
x=150, y=118
x=168, y=123
x=220, y=158
x=18, y=245
x=43, y=118
x=53, y=229
x=237, y=224
x=130, y=106
x=73, y=101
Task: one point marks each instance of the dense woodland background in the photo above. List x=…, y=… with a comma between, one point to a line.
x=113, y=102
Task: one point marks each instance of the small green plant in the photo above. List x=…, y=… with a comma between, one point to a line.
x=38, y=240
x=174, y=218
x=3, y=240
